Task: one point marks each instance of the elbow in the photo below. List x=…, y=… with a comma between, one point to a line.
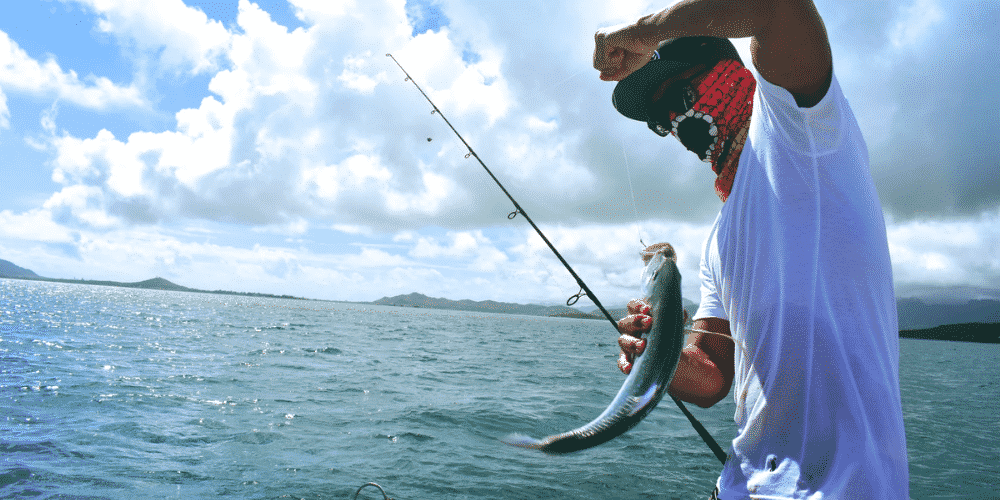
x=711, y=392
x=709, y=400
x=704, y=390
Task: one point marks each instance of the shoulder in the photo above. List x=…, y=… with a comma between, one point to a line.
x=792, y=51
x=816, y=130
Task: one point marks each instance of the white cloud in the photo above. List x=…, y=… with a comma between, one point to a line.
x=81, y=204
x=179, y=37
x=915, y=23
x=947, y=252
x=353, y=229
x=4, y=111
x=317, y=123
x=294, y=227
x=536, y=124
x=357, y=74
x=34, y=226
x=463, y=246
x=351, y=174
x=19, y=72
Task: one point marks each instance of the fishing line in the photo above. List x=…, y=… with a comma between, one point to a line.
x=570, y=77
x=584, y=289
x=635, y=209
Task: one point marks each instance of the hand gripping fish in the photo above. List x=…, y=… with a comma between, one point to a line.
x=646, y=383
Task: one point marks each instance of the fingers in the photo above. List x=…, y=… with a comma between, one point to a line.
x=631, y=347
x=638, y=306
x=626, y=64
x=607, y=59
x=609, y=56
x=632, y=327
x=635, y=324
x=624, y=364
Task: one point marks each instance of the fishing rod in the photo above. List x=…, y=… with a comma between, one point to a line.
x=584, y=289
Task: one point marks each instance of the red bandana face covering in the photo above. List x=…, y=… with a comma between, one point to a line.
x=708, y=116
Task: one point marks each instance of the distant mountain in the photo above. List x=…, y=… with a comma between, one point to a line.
x=915, y=313
x=420, y=300
x=150, y=284
x=622, y=310
x=10, y=270
x=161, y=284
x=965, y=332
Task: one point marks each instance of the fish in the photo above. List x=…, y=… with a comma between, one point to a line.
x=646, y=383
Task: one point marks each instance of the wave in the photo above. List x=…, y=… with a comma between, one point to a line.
x=325, y=350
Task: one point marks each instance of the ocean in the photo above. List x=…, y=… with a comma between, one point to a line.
x=110, y=393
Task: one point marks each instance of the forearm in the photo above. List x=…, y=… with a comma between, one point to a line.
x=790, y=46
x=721, y=18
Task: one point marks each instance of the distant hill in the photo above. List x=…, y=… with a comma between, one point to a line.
x=914, y=313
x=10, y=270
x=621, y=311
x=161, y=284
x=965, y=332
x=420, y=300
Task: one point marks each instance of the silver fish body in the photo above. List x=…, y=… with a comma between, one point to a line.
x=646, y=383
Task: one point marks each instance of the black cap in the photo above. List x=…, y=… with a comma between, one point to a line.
x=633, y=94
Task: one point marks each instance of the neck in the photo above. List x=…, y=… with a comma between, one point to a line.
x=728, y=162
x=732, y=159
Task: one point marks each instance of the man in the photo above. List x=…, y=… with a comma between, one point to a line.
x=798, y=311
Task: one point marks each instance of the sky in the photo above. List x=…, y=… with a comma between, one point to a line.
x=273, y=147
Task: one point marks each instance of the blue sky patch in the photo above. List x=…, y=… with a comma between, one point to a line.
x=425, y=16
x=280, y=11
x=470, y=56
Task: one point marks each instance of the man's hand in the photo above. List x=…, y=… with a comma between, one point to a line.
x=617, y=52
x=631, y=328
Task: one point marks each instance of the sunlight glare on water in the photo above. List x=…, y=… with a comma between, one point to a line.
x=113, y=392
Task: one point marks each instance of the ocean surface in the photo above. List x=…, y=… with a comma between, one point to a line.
x=122, y=393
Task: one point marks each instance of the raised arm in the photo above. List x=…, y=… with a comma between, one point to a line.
x=790, y=47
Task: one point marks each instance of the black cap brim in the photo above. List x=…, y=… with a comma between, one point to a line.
x=633, y=94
